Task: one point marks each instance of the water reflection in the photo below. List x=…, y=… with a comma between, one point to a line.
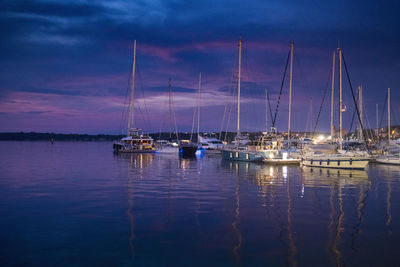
x=236, y=221
x=279, y=190
x=269, y=180
x=388, y=172
x=137, y=162
x=292, y=248
x=160, y=210
x=337, y=180
x=324, y=177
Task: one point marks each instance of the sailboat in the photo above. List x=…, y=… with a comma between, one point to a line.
x=187, y=148
x=328, y=155
x=207, y=142
x=136, y=141
x=169, y=146
x=390, y=156
x=240, y=151
x=272, y=143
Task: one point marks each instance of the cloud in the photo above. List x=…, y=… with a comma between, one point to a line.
x=74, y=58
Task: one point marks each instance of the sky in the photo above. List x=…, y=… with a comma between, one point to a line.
x=65, y=65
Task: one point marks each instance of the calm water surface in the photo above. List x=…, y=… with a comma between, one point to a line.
x=77, y=204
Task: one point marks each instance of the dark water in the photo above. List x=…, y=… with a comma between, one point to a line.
x=77, y=204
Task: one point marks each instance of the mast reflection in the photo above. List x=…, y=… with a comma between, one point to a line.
x=235, y=223
x=292, y=248
x=269, y=179
x=388, y=172
x=339, y=229
x=361, y=204
x=136, y=164
x=337, y=180
x=237, y=167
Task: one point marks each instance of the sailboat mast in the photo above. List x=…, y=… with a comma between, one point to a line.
x=240, y=62
x=290, y=90
x=266, y=110
x=340, y=101
x=332, y=95
x=388, y=116
x=171, y=104
x=131, y=99
x=360, y=103
x=198, y=110
x=170, y=107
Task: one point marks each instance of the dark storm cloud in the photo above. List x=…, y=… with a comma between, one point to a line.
x=48, y=9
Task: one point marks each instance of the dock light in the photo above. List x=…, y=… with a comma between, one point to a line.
x=321, y=138
x=284, y=155
x=329, y=138
x=271, y=156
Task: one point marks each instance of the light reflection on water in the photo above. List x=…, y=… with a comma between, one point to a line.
x=78, y=203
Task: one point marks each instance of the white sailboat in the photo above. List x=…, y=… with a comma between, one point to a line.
x=169, y=146
x=240, y=152
x=329, y=156
x=273, y=145
x=207, y=142
x=135, y=141
x=390, y=156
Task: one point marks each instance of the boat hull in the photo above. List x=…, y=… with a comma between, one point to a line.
x=239, y=155
x=282, y=161
x=212, y=151
x=120, y=148
x=188, y=150
x=388, y=160
x=168, y=150
x=337, y=162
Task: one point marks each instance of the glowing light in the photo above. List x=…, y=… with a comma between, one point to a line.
x=321, y=138
x=285, y=155
x=271, y=156
x=200, y=151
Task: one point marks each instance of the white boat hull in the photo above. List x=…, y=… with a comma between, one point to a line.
x=168, y=149
x=281, y=161
x=212, y=151
x=242, y=155
x=388, y=160
x=336, y=162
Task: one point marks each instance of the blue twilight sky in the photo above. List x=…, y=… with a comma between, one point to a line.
x=64, y=65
